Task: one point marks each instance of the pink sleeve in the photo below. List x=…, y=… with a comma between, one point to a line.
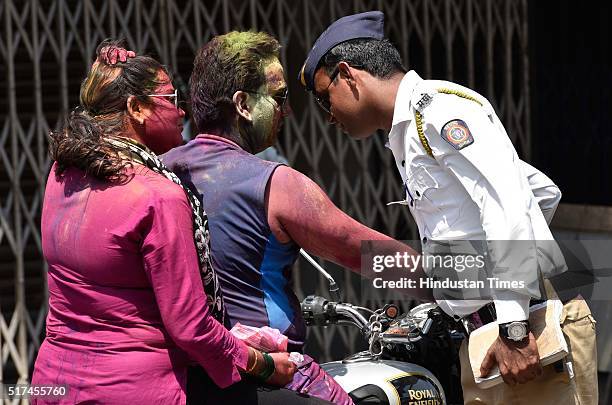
x=171, y=264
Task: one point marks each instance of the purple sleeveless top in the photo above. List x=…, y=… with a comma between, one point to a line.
x=253, y=267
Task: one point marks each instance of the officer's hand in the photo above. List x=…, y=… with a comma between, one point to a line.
x=283, y=370
x=518, y=362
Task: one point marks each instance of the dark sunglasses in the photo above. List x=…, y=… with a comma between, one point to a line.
x=280, y=99
x=323, y=101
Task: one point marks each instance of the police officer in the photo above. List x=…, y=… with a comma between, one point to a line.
x=463, y=181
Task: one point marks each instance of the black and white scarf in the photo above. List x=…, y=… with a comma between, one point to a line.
x=201, y=234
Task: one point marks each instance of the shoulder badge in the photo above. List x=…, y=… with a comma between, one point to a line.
x=423, y=102
x=457, y=133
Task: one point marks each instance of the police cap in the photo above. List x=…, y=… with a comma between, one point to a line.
x=363, y=25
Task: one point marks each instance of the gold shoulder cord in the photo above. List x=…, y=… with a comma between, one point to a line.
x=419, y=117
x=419, y=123
x=460, y=94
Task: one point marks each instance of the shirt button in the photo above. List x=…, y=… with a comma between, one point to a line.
x=425, y=240
x=403, y=163
x=412, y=203
x=417, y=193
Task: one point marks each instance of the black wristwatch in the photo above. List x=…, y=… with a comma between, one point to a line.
x=516, y=331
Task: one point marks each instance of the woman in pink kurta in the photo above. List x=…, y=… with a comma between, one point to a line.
x=127, y=308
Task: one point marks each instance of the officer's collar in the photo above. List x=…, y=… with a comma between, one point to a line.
x=402, y=110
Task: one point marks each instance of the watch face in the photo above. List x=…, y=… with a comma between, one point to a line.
x=517, y=331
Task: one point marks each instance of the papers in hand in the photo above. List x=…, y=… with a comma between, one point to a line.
x=544, y=320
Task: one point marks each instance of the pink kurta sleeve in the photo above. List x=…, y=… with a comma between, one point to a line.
x=171, y=265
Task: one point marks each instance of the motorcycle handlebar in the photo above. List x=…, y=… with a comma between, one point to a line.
x=318, y=311
x=359, y=320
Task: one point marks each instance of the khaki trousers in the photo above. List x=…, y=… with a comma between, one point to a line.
x=552, y=387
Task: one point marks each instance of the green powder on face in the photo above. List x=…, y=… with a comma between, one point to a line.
x=252, y=58
x=266, y=113
x=264, y=118
x=241, y=46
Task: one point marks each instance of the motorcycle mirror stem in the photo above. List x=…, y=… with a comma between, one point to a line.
x=334, y=290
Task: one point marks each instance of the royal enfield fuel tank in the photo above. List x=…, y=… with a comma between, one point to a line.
x=386, y=382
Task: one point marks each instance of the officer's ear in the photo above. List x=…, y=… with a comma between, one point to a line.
x=346, y=73
x=242, y=107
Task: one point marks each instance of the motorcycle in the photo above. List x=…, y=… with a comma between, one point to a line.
x=412, y=358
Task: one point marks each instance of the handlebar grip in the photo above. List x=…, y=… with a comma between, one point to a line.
x=317, y=311
x=427, y=326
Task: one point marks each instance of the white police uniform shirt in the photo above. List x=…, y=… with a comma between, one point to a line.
x=545, y=191
x=480, y=192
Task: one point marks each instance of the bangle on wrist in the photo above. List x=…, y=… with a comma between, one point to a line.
x=249, y=370
x=268, y=369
